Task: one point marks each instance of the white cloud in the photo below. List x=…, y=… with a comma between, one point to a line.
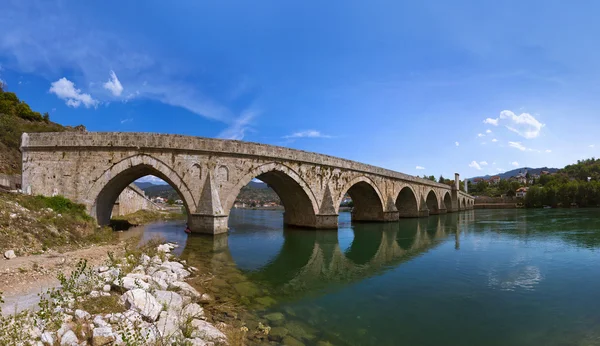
x=491, y=121
x=483, y=163
x=456, y=143
x=488, y=131
x=548, y=150
x=517, y=145
x=65, y=90
x=419, y=167
x=499, y=169
x=307, y=134
x=494, y=140
x=524, y=124
x=480, y=135
x=591, y=145
x=475, y=165
x=128, y=120
x=113, y=84
x=515, y=163
x=238, y=128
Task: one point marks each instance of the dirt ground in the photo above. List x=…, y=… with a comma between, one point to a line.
x=22, y=278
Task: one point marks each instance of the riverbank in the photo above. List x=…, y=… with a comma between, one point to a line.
x=140, y=298
x=143, y=217
x=36, y=225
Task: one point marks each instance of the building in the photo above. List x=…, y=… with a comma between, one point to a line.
x=521, y=192
x=495, y=180
x=522, y=178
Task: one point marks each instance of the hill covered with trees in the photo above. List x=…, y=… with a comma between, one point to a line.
x=17, y=117
x=576, y=184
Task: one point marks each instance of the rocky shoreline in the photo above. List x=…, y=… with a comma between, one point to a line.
x=141, y=299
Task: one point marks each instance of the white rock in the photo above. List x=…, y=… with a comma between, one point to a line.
x=13, y=215
x=106, y=288
x=156, y=260
x=185, y=289
x=145, y=259
x=100, y=322
x=103, y=336
x=102, y=269
x=172, y=300
x=197, y=342
x=168, y=324
x=171, y=265
x=207, y=332
x=69, y=339
x=63, y=329
x=205, y=298
x=47, y=338
x=130, y=283
x=94, y=294
x=105, y=294
x=159, y=283
x=163, y=248
x=167, y=276
x=192, y=311
x=10, y=254
x=142, y=302
x=81, y=315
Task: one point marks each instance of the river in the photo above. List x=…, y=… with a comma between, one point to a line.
x=484, y=277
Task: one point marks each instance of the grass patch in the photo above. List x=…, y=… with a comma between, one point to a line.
x=102, y=305
x=33, y=224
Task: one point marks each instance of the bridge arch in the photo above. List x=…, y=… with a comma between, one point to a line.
x=432, y=202
x=407, y=203
x=368, y=200
x=106, y=188
x=463, y=205
x=296, y=196
x=448, y=201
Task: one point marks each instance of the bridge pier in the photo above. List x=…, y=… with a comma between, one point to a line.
x=326, y=221
x=208, y=224
x=391, y=216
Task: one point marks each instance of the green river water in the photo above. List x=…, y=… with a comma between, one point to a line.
x=484, y=277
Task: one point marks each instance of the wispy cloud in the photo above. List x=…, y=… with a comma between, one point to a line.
x=548, y=150
x=65, y=90
x=483, y=163
x=91, y=51
x=517, y=145
x=524, y=124
x=480, y=135
x=237, y=130
x=488, y=131
x=128, y=120
x=113, y=84
x=494, y=140
x=475, y=165
x=456, y=143
x=591, y=145
x=307, y=134
x=420, y=167
x=515, y=163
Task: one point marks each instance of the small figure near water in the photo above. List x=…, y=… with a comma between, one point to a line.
x=187, y=229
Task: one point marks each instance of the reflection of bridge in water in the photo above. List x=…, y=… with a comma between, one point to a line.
x=311, y=261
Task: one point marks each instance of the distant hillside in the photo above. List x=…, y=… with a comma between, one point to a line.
x=254, y=191
x=514, y=172
x=15, y=118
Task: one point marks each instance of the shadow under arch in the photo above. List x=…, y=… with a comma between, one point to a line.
x=448, y=201
x=432, y=203
x=297, y=198
x=408, y=231
x=113, y=181
x=407, y=203
x=367, y=199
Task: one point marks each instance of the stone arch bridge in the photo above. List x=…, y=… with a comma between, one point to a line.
x=93, y=168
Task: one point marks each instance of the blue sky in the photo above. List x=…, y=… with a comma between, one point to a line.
x=428, y=87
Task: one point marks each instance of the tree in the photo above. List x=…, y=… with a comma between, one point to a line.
x=441, y=180
x=46, y=117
